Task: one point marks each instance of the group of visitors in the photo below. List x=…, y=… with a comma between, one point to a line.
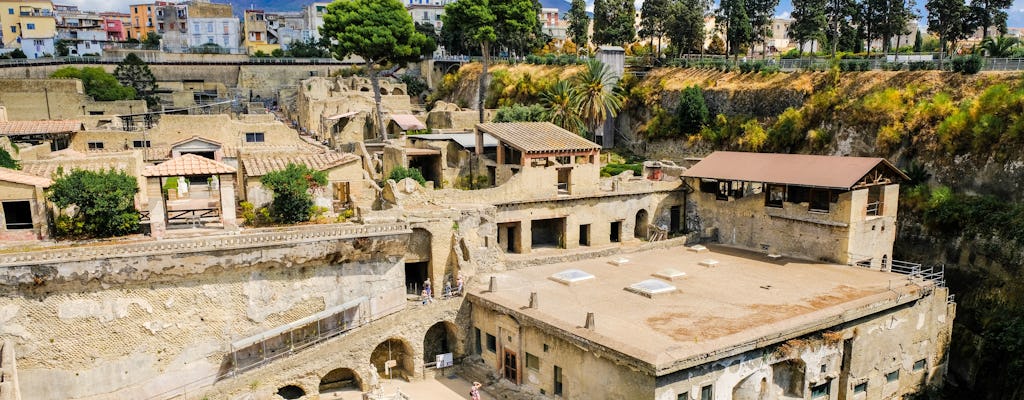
x=427, y=294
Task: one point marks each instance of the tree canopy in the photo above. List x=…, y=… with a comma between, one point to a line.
x=579, y=23
x=471, y=22
x=614, y=22
x=596, y=94
x=517, y=26
x=7, y=161
x=381, y=32
x=135, y=73
x=684, y=25
x=292, y=186
x=99, y=84
x=104, y=203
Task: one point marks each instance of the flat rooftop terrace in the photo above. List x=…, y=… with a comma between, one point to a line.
x=743, y=302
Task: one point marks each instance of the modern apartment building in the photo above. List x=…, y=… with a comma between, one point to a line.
x=28, y=25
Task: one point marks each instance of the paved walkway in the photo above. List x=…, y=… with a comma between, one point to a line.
x=428, y=389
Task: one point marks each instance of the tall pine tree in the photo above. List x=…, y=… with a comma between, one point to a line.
x=738, y=29
x=579, y=23
x=684, y=25
x=613, y=22
x=518, y=26
x=809, y=22
x=761, y=14
x=653, y=19
x=950, y=19
x=839, y=14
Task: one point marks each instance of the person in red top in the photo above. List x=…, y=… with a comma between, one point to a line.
x=474, y=392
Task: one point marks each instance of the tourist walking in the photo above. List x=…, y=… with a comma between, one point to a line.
x=474, y=392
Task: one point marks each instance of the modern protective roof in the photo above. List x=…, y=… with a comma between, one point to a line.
x=272, y=333
x=466, y=140
x=408, y=122
x=789, y=169
x=188, y=165
x=10, y=175
x=260, y=164
x=8, y=128
x=537, y=137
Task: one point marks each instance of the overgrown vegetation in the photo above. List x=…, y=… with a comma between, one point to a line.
x=400, y=173
x=99, y=84
x=94, y=204
x=7, y=161
x=615, y=169
x=521, y=113
x=292, y=187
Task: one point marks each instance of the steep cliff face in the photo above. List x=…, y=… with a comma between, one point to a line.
x=964, y=133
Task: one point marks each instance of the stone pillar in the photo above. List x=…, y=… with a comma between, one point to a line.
x=40, y=222
x=227, y=202
x=526, y=236
x=157, y=208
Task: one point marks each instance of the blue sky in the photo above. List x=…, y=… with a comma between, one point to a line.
x=1016, y=12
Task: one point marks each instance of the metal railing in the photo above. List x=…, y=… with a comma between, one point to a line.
x=873, y=209
x=935, y=274
x=192, y=216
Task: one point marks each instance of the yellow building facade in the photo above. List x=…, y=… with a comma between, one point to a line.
x=257, y=35
x=29, y=26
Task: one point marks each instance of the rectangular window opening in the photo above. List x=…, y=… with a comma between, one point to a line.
x=683, y=396
x=532, y=362
x=920, y=364
x=892, y=376
x=860, y=388
x=254, y=137
x=706, y=393
x=492, y=343
x=18, y=214
x=476, y=343
x=821, y=390
x=557, y=390
x=141, y=143
x=95, y=145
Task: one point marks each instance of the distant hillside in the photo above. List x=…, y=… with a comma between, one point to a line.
x=267, y=5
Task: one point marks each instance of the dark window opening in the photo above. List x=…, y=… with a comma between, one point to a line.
x=821, y=390
x=860, y=388
x=478, y=347
x=492, y=343
x=724, y=189
x=18, y=214
x=819, y=200
x=585, y=235
x=95, y=145
x=706, y=393
x=797, y=194
x=254, y=137
x=557, y=390
x=892, y=376
x=616, y=234
x=708, y=186
x=141, y=143
x=95, y=112
x=675, y=219
x=532, y=362
x=548, y=233
x=204, y=154
x=920, y=364
x=291, y=392
x=683, y=396
x=775, y=195
x=875, y=200
x=564, y=181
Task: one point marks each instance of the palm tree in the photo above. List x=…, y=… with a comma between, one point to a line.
x=998, y=47
x=561, y=106
x=596, y=94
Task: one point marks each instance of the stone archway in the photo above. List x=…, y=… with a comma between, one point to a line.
x=440, y=338
x=640, y=225
x=339, y=380
x=396, y=349
x=290, y=392
x=753, y=387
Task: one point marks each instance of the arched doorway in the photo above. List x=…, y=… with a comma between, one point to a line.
x=640, y=227
x=417, y=261
x=393, y=349
x=440, y=339
x=339, y=380
x=753, y=387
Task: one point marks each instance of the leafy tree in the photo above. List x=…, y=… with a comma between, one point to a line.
x=152, y=40
x=98, y=83
x=614, y=22
x=717, y=45
x=17, y=53
x=381, y=32
x=761, y=14
x=400, y=173
x=135, y=73
x=989, y=13
x=475, y=23
x=104, y=203
x=521, y=113
x=596, y=94
x=277, y=52
x=7, y=161
x=292, y=186
x=894, y=19
x=432, y=38
x=692, y=113
x=918, y=42
x=579, y=22
x=653, y=21
x=307, y=49
x=839, y=14
x=62, y=48
x=1001, y=46
x=950, y=19
x=561, y=107
x=809, y=21
x=414, y=85
x=685, y=26
x=738, y=30
x=517, y=25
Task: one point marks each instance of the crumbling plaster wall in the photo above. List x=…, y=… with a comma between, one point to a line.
x=8, y=372
x=134, y=327
x=42, y=99
x=891, y=340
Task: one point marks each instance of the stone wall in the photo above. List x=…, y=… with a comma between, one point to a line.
x=137, y=320
x=41, y=99
x=8, y=372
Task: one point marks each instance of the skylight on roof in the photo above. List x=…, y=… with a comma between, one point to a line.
x=670, y=274
x=571, y=276
x=651, y=287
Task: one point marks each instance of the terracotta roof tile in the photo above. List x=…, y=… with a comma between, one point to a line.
x=188, y=165
x=790, y=169
x=10, y=175
x=537, y=137
x=39, y=127
x=259, y=165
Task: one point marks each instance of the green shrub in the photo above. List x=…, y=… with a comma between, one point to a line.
x=692, y=113
x=104, y=204
x=400, y=173
x=615, y=169
x=521, y=113
x=291, y=186
x=967, y=65
x=788, y=131
x=414, y=85
x=7, y=161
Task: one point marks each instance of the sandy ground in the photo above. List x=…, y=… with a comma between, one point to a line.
x=429, y=389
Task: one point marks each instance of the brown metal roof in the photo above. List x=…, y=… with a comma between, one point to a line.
x=408, y=122
x=259, y=164
x=39, y=127
x=789, y=169
x=537, y=137
x=188, y=165
x=10, y=175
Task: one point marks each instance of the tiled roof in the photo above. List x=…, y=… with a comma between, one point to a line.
x=537, y=137
x=188, y=165
x=789, y=169
x=259, y=165
x=39, y=127
x=46, y=168
x=10, y=175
